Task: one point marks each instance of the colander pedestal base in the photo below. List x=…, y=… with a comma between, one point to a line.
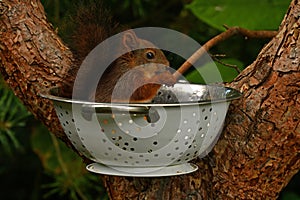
x=172, y=170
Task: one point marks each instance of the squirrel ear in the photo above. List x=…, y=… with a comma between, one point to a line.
x=130, y=40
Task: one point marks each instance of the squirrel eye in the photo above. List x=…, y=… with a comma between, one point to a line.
x=150, y=55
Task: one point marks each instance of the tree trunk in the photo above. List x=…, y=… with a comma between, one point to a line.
x=258, y=152
x=32, y=57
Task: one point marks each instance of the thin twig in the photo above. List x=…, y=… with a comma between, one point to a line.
x=214, y=57
x=229, y=32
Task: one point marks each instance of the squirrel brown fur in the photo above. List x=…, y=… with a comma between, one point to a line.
x=135, y=76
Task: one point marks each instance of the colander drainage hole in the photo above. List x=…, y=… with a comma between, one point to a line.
x=117, y=138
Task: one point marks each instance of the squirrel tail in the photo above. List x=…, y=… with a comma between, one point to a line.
x=90, y=23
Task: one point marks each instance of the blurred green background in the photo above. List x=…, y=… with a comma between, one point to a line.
x=35, y=165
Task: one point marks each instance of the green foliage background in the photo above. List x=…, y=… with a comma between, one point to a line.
x=35, y=165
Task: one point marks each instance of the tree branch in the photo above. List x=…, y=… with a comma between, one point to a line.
x=230, y=31
x=215, y=58
x=32, y=57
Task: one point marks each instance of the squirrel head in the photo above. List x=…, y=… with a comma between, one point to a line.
x=144, y=55
x=142, y=50
x=144, y=69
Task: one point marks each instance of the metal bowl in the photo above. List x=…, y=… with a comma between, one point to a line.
x=156, y=139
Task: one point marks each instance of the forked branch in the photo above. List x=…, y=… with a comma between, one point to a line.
x=229, y=32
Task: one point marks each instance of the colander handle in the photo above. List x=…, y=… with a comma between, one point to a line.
x=150, y=113
x=107, y=108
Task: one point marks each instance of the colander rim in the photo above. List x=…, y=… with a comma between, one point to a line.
x=231, y=94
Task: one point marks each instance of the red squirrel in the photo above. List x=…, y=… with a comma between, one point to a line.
x=124, y=80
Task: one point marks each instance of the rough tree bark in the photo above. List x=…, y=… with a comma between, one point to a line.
x=258, y=152
x=32, y=57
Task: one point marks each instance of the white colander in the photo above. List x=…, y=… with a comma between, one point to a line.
x=146, y=140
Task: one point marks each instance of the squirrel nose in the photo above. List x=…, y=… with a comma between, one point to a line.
x=163, y=69
x=160, y=70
